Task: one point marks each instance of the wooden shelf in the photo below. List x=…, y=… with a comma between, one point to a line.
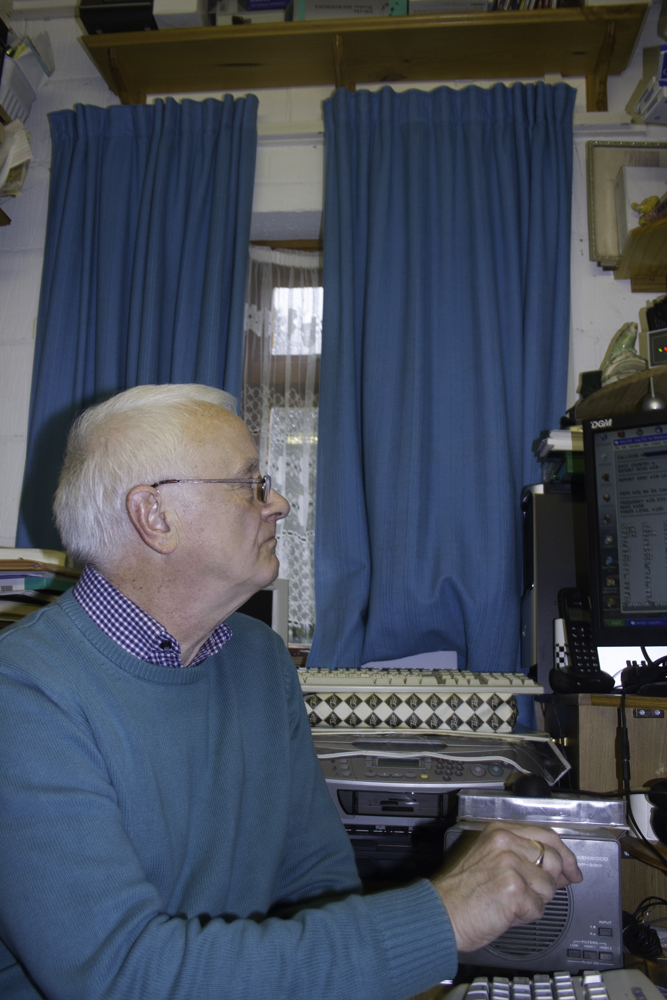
x=644, y=258
x=575, y=41
x=624, y=396
x=612, y=700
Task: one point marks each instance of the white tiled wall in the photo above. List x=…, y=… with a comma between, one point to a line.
x=288, y=204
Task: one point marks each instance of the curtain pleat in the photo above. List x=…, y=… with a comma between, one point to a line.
x=144, y=266
x=444, y=354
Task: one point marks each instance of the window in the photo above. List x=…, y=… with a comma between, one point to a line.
x=281, y=370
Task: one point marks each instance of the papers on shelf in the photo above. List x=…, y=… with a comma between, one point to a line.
x=15, y=156
x=570, y=439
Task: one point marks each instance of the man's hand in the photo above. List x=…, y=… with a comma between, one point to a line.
x=497, y=884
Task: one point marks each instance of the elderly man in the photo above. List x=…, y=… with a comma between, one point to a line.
x=165, y=830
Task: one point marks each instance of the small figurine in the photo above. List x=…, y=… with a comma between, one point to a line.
x=621, y=358
x=644, y=207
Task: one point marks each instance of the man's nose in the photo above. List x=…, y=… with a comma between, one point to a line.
x=276, y=507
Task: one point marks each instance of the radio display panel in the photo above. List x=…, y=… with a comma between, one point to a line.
x=397, y=762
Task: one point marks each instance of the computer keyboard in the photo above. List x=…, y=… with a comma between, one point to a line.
x=414, y=699
x=617, y=984
x=453, y=679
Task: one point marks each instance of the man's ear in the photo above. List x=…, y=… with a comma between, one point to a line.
x=155, y=525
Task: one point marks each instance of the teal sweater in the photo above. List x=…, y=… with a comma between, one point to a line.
x=168, y=835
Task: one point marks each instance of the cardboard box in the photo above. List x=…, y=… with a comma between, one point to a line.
x=652, y=105
x=633, y=184
x=180, y=13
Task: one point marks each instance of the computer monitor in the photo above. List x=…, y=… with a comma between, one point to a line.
x=626, y=501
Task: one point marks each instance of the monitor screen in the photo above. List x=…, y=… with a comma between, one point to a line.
x=626, y=499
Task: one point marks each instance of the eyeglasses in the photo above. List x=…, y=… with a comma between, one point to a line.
x=264, y=484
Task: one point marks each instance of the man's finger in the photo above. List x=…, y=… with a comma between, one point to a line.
x=532, y=835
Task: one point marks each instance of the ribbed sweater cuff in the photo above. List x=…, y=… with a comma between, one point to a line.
x=418, y=937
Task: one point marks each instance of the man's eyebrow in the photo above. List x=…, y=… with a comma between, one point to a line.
x=250, y=466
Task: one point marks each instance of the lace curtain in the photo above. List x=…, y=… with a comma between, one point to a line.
x=281, y=372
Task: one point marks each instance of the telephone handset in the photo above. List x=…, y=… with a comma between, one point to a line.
x=583, y=672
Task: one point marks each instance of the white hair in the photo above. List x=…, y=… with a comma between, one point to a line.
x=135, y=437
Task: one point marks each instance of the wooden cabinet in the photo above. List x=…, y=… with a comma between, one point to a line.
x=575, y=41
x=587, y=725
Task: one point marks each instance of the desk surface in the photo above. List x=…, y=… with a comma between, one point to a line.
x=638, y=849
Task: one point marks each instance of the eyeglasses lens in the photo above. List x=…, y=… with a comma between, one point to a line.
x=265, y=488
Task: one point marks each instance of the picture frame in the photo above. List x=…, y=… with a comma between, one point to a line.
x=604, y=159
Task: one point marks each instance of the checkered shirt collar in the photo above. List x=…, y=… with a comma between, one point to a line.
x=134, y=630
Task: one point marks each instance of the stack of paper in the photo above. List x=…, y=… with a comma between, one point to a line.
x=27, y=584
x=15, y=155
x=570, y=439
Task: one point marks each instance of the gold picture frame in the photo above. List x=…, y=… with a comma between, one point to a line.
x=603, y=162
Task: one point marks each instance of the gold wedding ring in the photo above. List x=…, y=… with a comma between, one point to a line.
x=541, y=848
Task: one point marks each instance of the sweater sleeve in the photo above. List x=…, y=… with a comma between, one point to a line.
x=82, y=920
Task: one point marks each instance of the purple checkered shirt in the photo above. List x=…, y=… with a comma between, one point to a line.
x=135, y=631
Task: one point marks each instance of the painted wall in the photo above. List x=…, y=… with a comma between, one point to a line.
x=288, y=204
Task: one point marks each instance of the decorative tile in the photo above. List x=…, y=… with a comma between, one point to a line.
x=353, y=709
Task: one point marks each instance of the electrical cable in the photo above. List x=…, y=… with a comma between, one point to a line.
x=661, y=662
x=640, y=937
x=625, y=765
x=648, y=902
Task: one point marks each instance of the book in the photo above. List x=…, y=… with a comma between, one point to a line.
x=11, y=583
x=34, y=567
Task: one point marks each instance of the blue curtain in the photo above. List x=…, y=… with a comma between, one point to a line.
x=444, y=354
x=144, y=266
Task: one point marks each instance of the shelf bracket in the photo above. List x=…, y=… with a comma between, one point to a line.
x=340, y=73
x=596, y=82
x=126, y=96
